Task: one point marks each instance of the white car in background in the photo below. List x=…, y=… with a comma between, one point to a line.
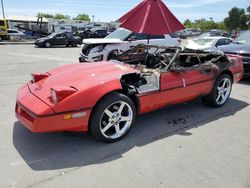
x=122, y=40
x=14, y=32
x=207, y=43
x=15, y=35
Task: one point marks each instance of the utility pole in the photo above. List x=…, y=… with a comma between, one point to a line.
x=93, y=16
x=3, y=10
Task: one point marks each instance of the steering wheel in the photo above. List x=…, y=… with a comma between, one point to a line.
x=152, y=61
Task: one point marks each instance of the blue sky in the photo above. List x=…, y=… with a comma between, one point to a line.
x=107, y=10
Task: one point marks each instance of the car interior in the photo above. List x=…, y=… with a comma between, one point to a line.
x=164, y=59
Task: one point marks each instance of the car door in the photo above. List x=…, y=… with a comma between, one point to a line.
x=187, y=84
x=59, y=39
x=56, y=39
x=172, y=88
x=157, y=40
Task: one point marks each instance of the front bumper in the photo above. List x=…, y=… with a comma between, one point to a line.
x=93, y=58
x=37, y=116
x=38, y=44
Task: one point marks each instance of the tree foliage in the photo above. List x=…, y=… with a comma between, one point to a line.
x=61, y=16
x=45, y=15
x=83, y=17
x=237, y=19
x=204, y=24
x=57, y=16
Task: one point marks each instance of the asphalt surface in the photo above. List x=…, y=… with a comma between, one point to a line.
x=188, y=145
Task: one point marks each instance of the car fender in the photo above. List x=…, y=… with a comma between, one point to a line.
x=87, y=98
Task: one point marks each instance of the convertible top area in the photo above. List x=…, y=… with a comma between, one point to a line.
x=151, y=61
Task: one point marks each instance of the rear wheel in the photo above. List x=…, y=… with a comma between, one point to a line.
x=112, y=118
x=220, y=93
x=47, y=45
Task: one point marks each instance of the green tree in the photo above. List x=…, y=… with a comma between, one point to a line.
x=188, y=24
x=204, y=25
x=61, y=16
x=45, y=15
x=83, y=17
x=237, y=18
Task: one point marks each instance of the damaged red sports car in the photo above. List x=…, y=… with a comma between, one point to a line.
x=105, y=97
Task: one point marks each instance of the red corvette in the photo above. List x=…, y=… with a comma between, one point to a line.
x=105, y=97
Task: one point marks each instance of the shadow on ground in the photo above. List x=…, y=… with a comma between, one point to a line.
x=50, y=151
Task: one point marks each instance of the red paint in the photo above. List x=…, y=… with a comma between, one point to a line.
x=85, y=84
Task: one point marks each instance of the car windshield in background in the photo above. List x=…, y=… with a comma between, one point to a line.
x=204, y=41
x=121, y=34
x=244, y=38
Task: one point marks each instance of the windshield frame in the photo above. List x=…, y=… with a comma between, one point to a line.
x=126, y=35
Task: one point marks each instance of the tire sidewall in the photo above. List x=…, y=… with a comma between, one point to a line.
x=94, y=127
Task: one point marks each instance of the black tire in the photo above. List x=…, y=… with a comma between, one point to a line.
x=211, y=99
x=67, y=43
x=112, y=55
x=74, y=44
x=98, y=118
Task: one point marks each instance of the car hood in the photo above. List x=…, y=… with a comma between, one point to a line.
x=102, y=41
x=80, y=76
x=236, y=48
x=195, y=46
x=42, y=39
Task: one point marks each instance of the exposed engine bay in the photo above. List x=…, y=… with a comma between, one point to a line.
x=151, y=65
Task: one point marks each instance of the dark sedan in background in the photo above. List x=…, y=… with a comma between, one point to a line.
x=94, y=33
x=55, y=39
x=240, y=46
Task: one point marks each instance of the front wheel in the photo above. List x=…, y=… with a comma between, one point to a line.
x=112, y=118
x=47, y=45
x=220, y=93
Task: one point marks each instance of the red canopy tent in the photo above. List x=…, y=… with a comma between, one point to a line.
x=151, y=17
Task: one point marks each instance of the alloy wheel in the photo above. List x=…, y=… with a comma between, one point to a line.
x=223, y=91
x=116, y=120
